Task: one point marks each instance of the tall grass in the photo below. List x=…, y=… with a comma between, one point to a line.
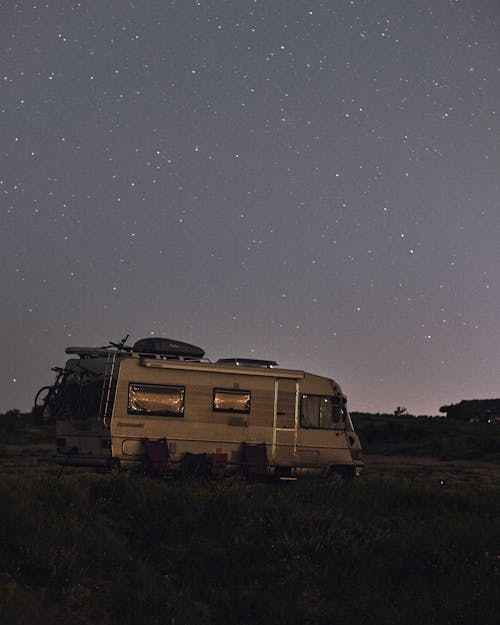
x=129, y=549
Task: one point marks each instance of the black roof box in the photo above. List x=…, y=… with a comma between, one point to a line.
x=167, y=347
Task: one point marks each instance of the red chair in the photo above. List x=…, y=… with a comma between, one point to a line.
x=254, y=457
x=159, y=456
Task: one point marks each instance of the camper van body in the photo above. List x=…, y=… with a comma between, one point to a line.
x=114, y=401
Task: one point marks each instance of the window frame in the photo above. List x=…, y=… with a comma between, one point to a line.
x=232, y=391
x=181, y=390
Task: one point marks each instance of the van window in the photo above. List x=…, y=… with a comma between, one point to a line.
x=322, y=412
x=228, y=400
x=155, y=399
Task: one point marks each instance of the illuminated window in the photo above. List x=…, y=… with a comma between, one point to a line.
x=322, y=412
x=156, y=400
x=231, y=401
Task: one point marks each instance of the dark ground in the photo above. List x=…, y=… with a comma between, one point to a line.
x=415, y=539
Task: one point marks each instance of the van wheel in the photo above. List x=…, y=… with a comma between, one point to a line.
x=282, y=472
x=340, y=474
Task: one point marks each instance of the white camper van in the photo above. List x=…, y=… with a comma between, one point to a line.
x=109, y=402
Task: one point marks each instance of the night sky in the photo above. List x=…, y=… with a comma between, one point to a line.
x=316, y=183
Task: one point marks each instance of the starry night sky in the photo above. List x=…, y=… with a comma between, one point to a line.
x=311, y=182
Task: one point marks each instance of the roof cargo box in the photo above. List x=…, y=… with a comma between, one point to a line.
x=167, y=347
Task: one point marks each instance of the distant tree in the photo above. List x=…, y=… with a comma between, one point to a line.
x=400, y=411
x=473, y=409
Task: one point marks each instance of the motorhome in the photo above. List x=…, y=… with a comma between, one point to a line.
x=108, y=403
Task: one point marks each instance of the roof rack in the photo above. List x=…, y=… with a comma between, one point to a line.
x=152, y=347
x=89, y=352
x=248, y=362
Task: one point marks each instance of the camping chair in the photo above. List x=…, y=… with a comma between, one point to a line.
x=219, y=464
x=254, y=457
x=159, y=456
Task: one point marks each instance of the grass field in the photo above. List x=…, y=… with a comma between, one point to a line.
x=397, y=545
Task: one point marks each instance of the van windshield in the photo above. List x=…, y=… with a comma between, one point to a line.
x=322, y=412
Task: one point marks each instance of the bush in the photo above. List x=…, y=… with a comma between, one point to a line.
x=12, y=426
x=437, y=437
